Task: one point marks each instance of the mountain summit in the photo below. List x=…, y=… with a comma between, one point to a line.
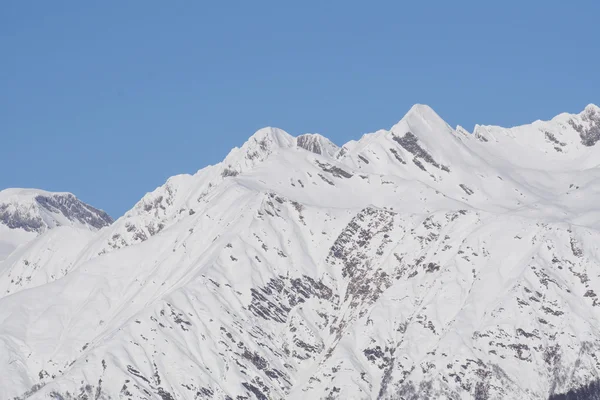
x=419, y=262
x=26, y=213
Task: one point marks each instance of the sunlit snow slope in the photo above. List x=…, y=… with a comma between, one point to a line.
x=423, y=262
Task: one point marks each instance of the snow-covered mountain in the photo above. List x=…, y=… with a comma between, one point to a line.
x=27, y=213
x=40, y=235
x=420, y=262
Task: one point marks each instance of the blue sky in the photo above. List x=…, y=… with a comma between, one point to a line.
x=109, y=99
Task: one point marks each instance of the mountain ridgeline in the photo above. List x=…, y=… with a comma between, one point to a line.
x=419, y=262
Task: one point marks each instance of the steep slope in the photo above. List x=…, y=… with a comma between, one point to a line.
x=27, y=213
x=421, y=262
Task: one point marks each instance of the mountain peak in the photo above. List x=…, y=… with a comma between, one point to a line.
x=22, y=194
x=37, y=210
x=257, y=148
x=26, y=213
x=591, y=108
x=316, y=143
x=271, y=137
x=422, y=121
x=422, y=111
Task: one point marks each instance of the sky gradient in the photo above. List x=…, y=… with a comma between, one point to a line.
x=108, y=99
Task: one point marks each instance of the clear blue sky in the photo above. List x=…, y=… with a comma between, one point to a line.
x=108, y=99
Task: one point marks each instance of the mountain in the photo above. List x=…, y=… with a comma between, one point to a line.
x=420, y=262
x=40, y=236
x=27, y=213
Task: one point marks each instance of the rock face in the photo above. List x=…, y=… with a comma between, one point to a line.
x=422, y=262
x=316, y=144
x=589, y=128
x=587, y=392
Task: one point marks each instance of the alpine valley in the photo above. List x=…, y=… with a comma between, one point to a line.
x=420, y=262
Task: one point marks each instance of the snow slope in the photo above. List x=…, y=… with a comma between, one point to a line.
x=422, y=262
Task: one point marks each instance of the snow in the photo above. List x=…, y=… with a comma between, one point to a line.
x=42, y=259
x=25, y=194
x=11, y=239
x=416, y=262
x=27, y=213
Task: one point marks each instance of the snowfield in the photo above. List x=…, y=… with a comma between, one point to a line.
x=420, y=262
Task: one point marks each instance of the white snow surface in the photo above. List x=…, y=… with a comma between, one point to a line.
x=420, y=262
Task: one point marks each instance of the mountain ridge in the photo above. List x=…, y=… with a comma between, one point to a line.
x=414, y=263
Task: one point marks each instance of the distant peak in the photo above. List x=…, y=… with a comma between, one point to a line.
x=422, y=111
x=35, y=210
x=257, y=148
x=24, y=194
x=270, y=136
x=317, y=144
x=591, y=108
x=265, y=140
x=423, y=119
